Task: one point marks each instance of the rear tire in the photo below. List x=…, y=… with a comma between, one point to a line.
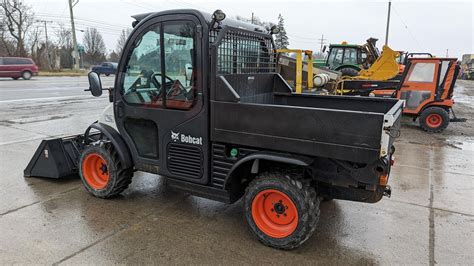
x=349, y=71
x=15, y=78
x=26, y=75
x=281, y=209
x=434, y=119
x=102, y=172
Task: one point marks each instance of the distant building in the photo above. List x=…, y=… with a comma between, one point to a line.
x=467, y=66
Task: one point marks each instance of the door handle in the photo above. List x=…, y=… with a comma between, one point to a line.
x=119, y=108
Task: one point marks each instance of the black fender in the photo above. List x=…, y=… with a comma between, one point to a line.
x=269, y=156
x=116, y=139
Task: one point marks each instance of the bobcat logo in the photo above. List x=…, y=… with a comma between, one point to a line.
x=183, y=138
x=174, y=136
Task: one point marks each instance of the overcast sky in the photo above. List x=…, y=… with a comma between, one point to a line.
x=416, y=26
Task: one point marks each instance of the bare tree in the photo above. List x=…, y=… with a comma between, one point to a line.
x=64, y=37
x=16, y=18
x=94, y=46
x=122, y=40
x=33, y=41
x=65, y=45
x=6, y=46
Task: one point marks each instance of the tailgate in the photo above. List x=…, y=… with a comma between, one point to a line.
x=391, y=127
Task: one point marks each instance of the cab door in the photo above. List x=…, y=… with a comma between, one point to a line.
x=159, y=102
x=419, y=85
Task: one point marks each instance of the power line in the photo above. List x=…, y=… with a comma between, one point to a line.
x=300, y=37
x=406, y=27
x=321, y=42
x=88, y=21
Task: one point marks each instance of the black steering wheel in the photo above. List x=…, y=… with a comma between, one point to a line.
x=156, y=94
x=155, y=81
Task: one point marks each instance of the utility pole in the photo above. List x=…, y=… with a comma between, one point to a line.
x=388, y=21
x=447, y=52
x=73, y=28
x=48, y=55
x=321, y=41
x=252, y=17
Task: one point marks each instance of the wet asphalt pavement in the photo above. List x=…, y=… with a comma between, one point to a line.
x=428, y=220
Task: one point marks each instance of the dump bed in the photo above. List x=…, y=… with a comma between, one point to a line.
x=259, y=110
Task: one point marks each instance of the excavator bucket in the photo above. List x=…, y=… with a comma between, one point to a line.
x=384, y=68
x=55, y=158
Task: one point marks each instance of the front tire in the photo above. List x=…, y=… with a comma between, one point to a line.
x=102, y=172
x=434, y=119
x=281, y=209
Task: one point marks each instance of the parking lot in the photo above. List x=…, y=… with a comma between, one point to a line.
x=429, y=218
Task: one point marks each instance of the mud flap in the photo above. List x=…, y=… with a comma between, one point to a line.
x=55, y=158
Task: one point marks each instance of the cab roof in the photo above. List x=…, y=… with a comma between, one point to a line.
x=207, y=17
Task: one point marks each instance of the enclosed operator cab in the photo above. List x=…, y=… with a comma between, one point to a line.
x=346, y=56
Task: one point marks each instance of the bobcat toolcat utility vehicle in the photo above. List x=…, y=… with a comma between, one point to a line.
x=198, y=101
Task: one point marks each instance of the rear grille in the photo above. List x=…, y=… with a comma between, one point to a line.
x=221, y=164
x=185, y=160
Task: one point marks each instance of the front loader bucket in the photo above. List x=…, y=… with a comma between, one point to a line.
x=54, y=158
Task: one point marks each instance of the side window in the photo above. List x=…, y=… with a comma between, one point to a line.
x=362, y=57
x=180, y=57
x=332, y=55
x=350, y=56
x=1, y=61
x=145, y=81
x=422, y=72
x=444, y=69
x=142, y=81
x=335, y=58
x=10, y=61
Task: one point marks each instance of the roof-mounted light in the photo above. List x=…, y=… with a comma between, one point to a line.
x=218, y=15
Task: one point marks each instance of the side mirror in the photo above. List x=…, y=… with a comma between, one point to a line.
x=324, y=49
x=274, y=30
x=95, y=86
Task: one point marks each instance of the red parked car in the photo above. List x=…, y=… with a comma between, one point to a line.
x=17, y=67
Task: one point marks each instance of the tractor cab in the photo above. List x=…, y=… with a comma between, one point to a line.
x=345, y=54
x=349, y=59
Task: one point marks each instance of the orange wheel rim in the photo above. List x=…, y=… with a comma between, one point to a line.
x=95, y=171
x=274, y=213
x=434, y=120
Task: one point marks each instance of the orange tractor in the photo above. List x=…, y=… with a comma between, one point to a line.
x=427, y=87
